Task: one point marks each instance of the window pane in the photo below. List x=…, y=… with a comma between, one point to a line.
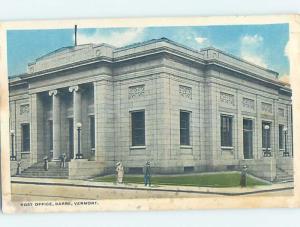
x=248, y=138
x=25, y=137
x=184, y=128
x=138, y=128
x=226, y=131
x=280, y=136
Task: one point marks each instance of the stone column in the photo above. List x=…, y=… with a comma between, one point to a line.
x=56, y=123
x=76, y=115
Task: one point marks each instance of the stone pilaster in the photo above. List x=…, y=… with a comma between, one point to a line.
x=104, y=122
x=56, y=123
x=76, y=114
x=36, y=129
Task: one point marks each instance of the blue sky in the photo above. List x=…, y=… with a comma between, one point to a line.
x=265, y=45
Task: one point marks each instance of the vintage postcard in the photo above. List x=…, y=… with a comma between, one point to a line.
x=150, y=113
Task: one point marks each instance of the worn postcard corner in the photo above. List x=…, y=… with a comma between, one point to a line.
x=150, y=114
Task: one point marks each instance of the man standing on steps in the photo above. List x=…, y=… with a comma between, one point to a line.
x=63, y=160
x=147, y=174
x=46, y=166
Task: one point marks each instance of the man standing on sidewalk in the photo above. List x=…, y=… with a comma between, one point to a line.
x=243, y=181
x=120, y=172
x=147, y=174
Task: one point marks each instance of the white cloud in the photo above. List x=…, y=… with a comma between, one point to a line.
x=200, y=40
x=252, y=49
x=252, y=39
x=117, y=38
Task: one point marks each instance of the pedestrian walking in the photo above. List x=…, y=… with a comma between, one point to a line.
x=147, y=174
x=244, y=176
x=120, y=172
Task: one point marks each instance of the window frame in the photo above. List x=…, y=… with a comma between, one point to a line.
x=133, y=133
x=281, y=137
x=228, y=145
x=269, y=142
x=22, y=138
x=252, y=130
x=188, y=128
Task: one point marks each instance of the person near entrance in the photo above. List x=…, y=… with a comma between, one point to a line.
x=147, y=174
x=63, y=160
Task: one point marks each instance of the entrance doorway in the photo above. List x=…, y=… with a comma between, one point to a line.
x=248, y=138
x=71, y=138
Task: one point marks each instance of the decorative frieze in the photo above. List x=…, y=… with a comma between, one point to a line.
x=24, y=109
x=226, y=98
x=266, y=107
x=281, y=112
x=185, y=91
x=248, y=103
x=136, y=91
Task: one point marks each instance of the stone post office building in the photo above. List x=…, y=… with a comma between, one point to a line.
x=181, y=109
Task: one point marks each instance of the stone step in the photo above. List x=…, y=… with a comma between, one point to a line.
x=53, y=177
x=44, y=174
x=54, y=171
x=284, y=179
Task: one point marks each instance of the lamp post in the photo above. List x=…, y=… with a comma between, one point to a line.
x=267, y=152
x=12, y=157
x=285, y=153
x=79, y=155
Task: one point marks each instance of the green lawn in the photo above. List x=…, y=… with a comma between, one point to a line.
x=200, y=180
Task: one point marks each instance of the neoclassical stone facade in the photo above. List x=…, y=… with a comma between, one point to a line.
x=181, y=109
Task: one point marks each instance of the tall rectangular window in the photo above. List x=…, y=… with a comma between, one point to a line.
x=25, y=137
x=226, y=131
x=184, y=128
x=51, y=135
x=138, y=128
x=266, y=131
x=92, y=131
x=248, y=138
x=281, y=137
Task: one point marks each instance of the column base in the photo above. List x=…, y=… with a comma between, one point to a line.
x=286, y=154
x=79, y=156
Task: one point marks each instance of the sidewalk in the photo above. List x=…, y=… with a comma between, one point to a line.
x=229, y=191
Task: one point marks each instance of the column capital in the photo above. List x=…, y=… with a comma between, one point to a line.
x=74, y=88
x=53, y=92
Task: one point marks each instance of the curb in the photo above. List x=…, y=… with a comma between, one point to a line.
x=157, y=189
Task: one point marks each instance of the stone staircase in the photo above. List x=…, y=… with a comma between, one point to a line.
x=54, y=171
x=283, y=176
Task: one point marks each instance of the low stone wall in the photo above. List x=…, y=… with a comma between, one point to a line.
x=264, y=168
x=286, y=164
x=13, y=167
x=83, y=168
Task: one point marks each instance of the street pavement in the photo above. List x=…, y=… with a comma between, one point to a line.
x=37, y=189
